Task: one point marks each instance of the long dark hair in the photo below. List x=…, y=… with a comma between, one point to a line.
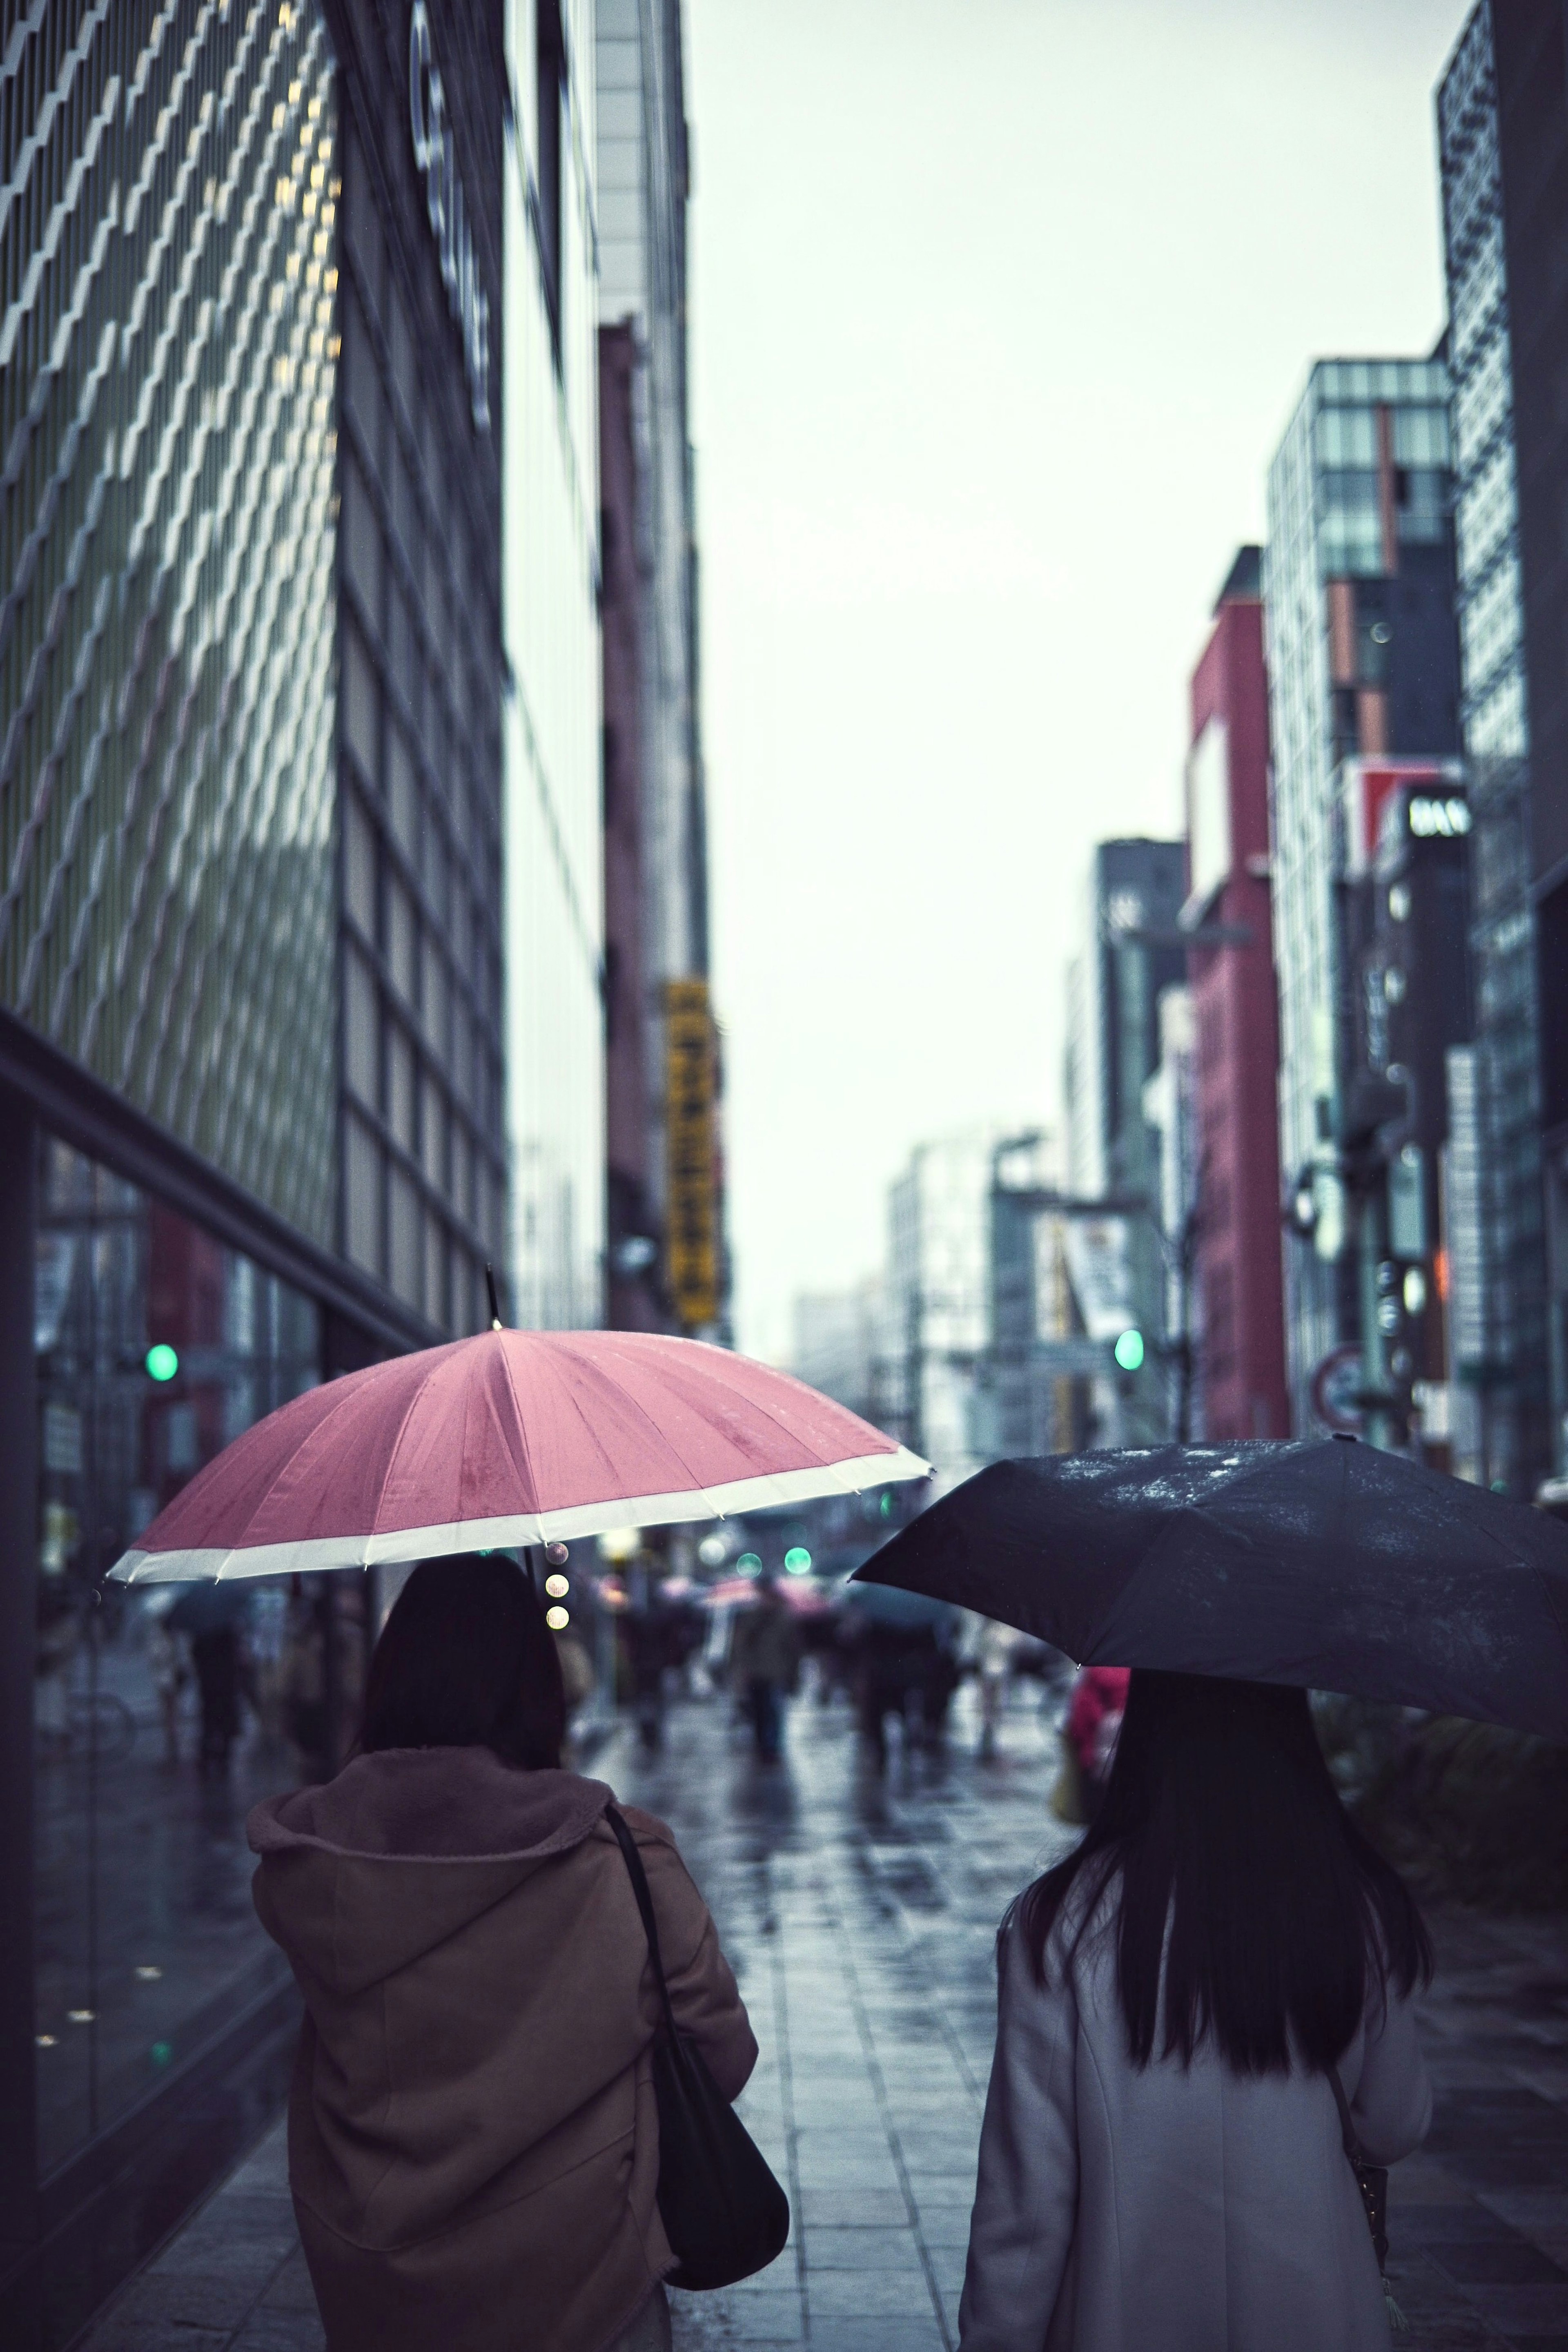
x=1244, y=1883
x=465, y=1660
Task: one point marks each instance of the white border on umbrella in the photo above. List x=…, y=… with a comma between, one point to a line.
x=390, y=1546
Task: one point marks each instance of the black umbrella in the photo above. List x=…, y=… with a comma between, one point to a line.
x=1328, y=1565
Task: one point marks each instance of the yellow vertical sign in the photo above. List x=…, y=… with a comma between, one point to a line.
x=691, y=1243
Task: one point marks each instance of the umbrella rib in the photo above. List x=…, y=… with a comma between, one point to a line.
x=522, y=1429
x=632, y=1398
x=757, y=1405
x=341, y=1404
x=420, y=1386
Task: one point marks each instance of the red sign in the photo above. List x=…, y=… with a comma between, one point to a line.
x=1336, y=1384
x=1368, y=785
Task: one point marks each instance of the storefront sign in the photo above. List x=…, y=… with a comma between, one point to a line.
x=436, y=160
x=691, y=1247
x=1445, y=820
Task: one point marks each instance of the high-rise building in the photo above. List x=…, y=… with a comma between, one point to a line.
x=251, y=952
x=1129, y=952
x=666, y=1254
x=938, y=1301
x=555, y=909
x=1358, y=582
x=1170, y=1114
x=1239, y=1368
x=844, y=1344
x=1502, y=1357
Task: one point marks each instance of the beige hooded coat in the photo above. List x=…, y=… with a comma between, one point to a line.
x=473, y=2142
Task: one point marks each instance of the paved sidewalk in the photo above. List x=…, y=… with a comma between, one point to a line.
x=860, y=1915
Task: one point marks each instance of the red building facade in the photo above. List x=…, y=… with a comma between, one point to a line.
x=1241, y=1355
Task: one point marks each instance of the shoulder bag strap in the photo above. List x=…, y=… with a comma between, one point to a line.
x=640, y=1888
x=1352, y=2147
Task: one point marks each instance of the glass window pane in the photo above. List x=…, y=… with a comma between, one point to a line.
x=362, y=1194
x=359, y=864
x=360, y=1072
x=400, y=1084
x=157, y=1720
x=405, y=1237
x=401, y=940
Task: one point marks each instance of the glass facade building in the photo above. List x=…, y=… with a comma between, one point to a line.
x=251, y=1079
x=555, y=918
x=1506, y=1329
x=1358, y=598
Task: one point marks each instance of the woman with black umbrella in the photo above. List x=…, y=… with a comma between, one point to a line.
x=1201, y=2011
x=1204, y=2046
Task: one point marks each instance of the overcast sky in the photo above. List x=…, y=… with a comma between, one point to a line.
x=998, y=311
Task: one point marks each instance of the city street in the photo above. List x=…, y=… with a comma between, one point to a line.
x=858, y=1913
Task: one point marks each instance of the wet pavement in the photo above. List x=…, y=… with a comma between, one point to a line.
x=859, y=1911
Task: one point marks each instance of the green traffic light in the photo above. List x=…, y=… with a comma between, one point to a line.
x=1129, y=1351
x=798, y=1560
x=161, y=1361
x=750, y=1563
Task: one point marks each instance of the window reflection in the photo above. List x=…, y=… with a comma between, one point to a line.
x=161, y=1714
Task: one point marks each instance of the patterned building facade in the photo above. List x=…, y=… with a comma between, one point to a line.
x=252, y=1074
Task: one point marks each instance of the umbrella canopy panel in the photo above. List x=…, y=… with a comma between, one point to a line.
x=512, y=1437
x=1334, y=1566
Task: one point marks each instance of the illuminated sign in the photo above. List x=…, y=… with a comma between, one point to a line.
x=1369, y=792
x=444, y=200
x=1441, y=820
x=691, y=1075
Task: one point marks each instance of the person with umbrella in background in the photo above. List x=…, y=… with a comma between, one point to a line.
x=902, y=1665
x=1089, y=1733
x=1206, y=2053
x=213, y=1618
x=765, y=1663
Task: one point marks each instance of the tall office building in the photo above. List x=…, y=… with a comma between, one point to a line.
x=667, y=1253
x=937, y=1298
x=1237, y=1276
x=1129, y=953
x=251, y=679
x=554, y=904
x=1499, y=1252
x=1170, y=1115
x=845, y=1343
x=1358, y=585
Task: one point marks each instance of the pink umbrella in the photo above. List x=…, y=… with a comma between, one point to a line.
x=740, y=1593
x=514, y=1437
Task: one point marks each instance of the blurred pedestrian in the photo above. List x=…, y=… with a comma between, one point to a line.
x=211, y=1618
x=656, y=1635
x=765, y=1663
x=302, y=1686
x=215, y=1658
x=1182, y=2005
x=463, y=1925
x=169, y=1674
x=994, y=1645
x=1089, y=1732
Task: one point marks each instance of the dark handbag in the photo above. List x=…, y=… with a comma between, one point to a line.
x=1371, y=2179
x=723, y=2213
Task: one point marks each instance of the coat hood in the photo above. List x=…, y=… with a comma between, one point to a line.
x=362, y=1876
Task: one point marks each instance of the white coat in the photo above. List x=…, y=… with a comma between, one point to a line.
x=1173, y=2209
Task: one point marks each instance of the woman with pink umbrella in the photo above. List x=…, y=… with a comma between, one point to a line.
x=507, y=2123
